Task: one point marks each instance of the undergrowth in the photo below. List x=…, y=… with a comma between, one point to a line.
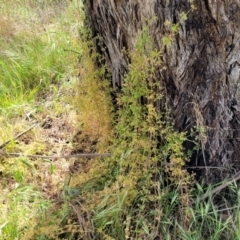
x=93, y=99
x=125, y=194
x=144, y=190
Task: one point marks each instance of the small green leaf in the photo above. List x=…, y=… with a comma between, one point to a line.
x=18, y=176
x=166, y=41
x=52, y=169
x=167, y=23
x=183, y=16
x=26, y=162
x=175, y=27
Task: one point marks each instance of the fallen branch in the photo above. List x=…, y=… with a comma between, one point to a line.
x=221, y=187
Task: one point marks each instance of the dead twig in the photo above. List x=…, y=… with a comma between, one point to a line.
x=221, y=187
x=17, y=136
x=80, y=217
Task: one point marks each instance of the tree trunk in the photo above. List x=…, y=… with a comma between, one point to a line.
x=202, y=65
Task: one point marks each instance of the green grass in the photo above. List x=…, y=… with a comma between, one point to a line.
x=38, y=63
x=35, y=51
x=24, y=203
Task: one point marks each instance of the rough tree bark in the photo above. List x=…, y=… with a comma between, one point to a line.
x=202, y=65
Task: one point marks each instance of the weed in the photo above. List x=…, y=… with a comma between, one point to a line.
x=93, y=100
x=131, y=183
